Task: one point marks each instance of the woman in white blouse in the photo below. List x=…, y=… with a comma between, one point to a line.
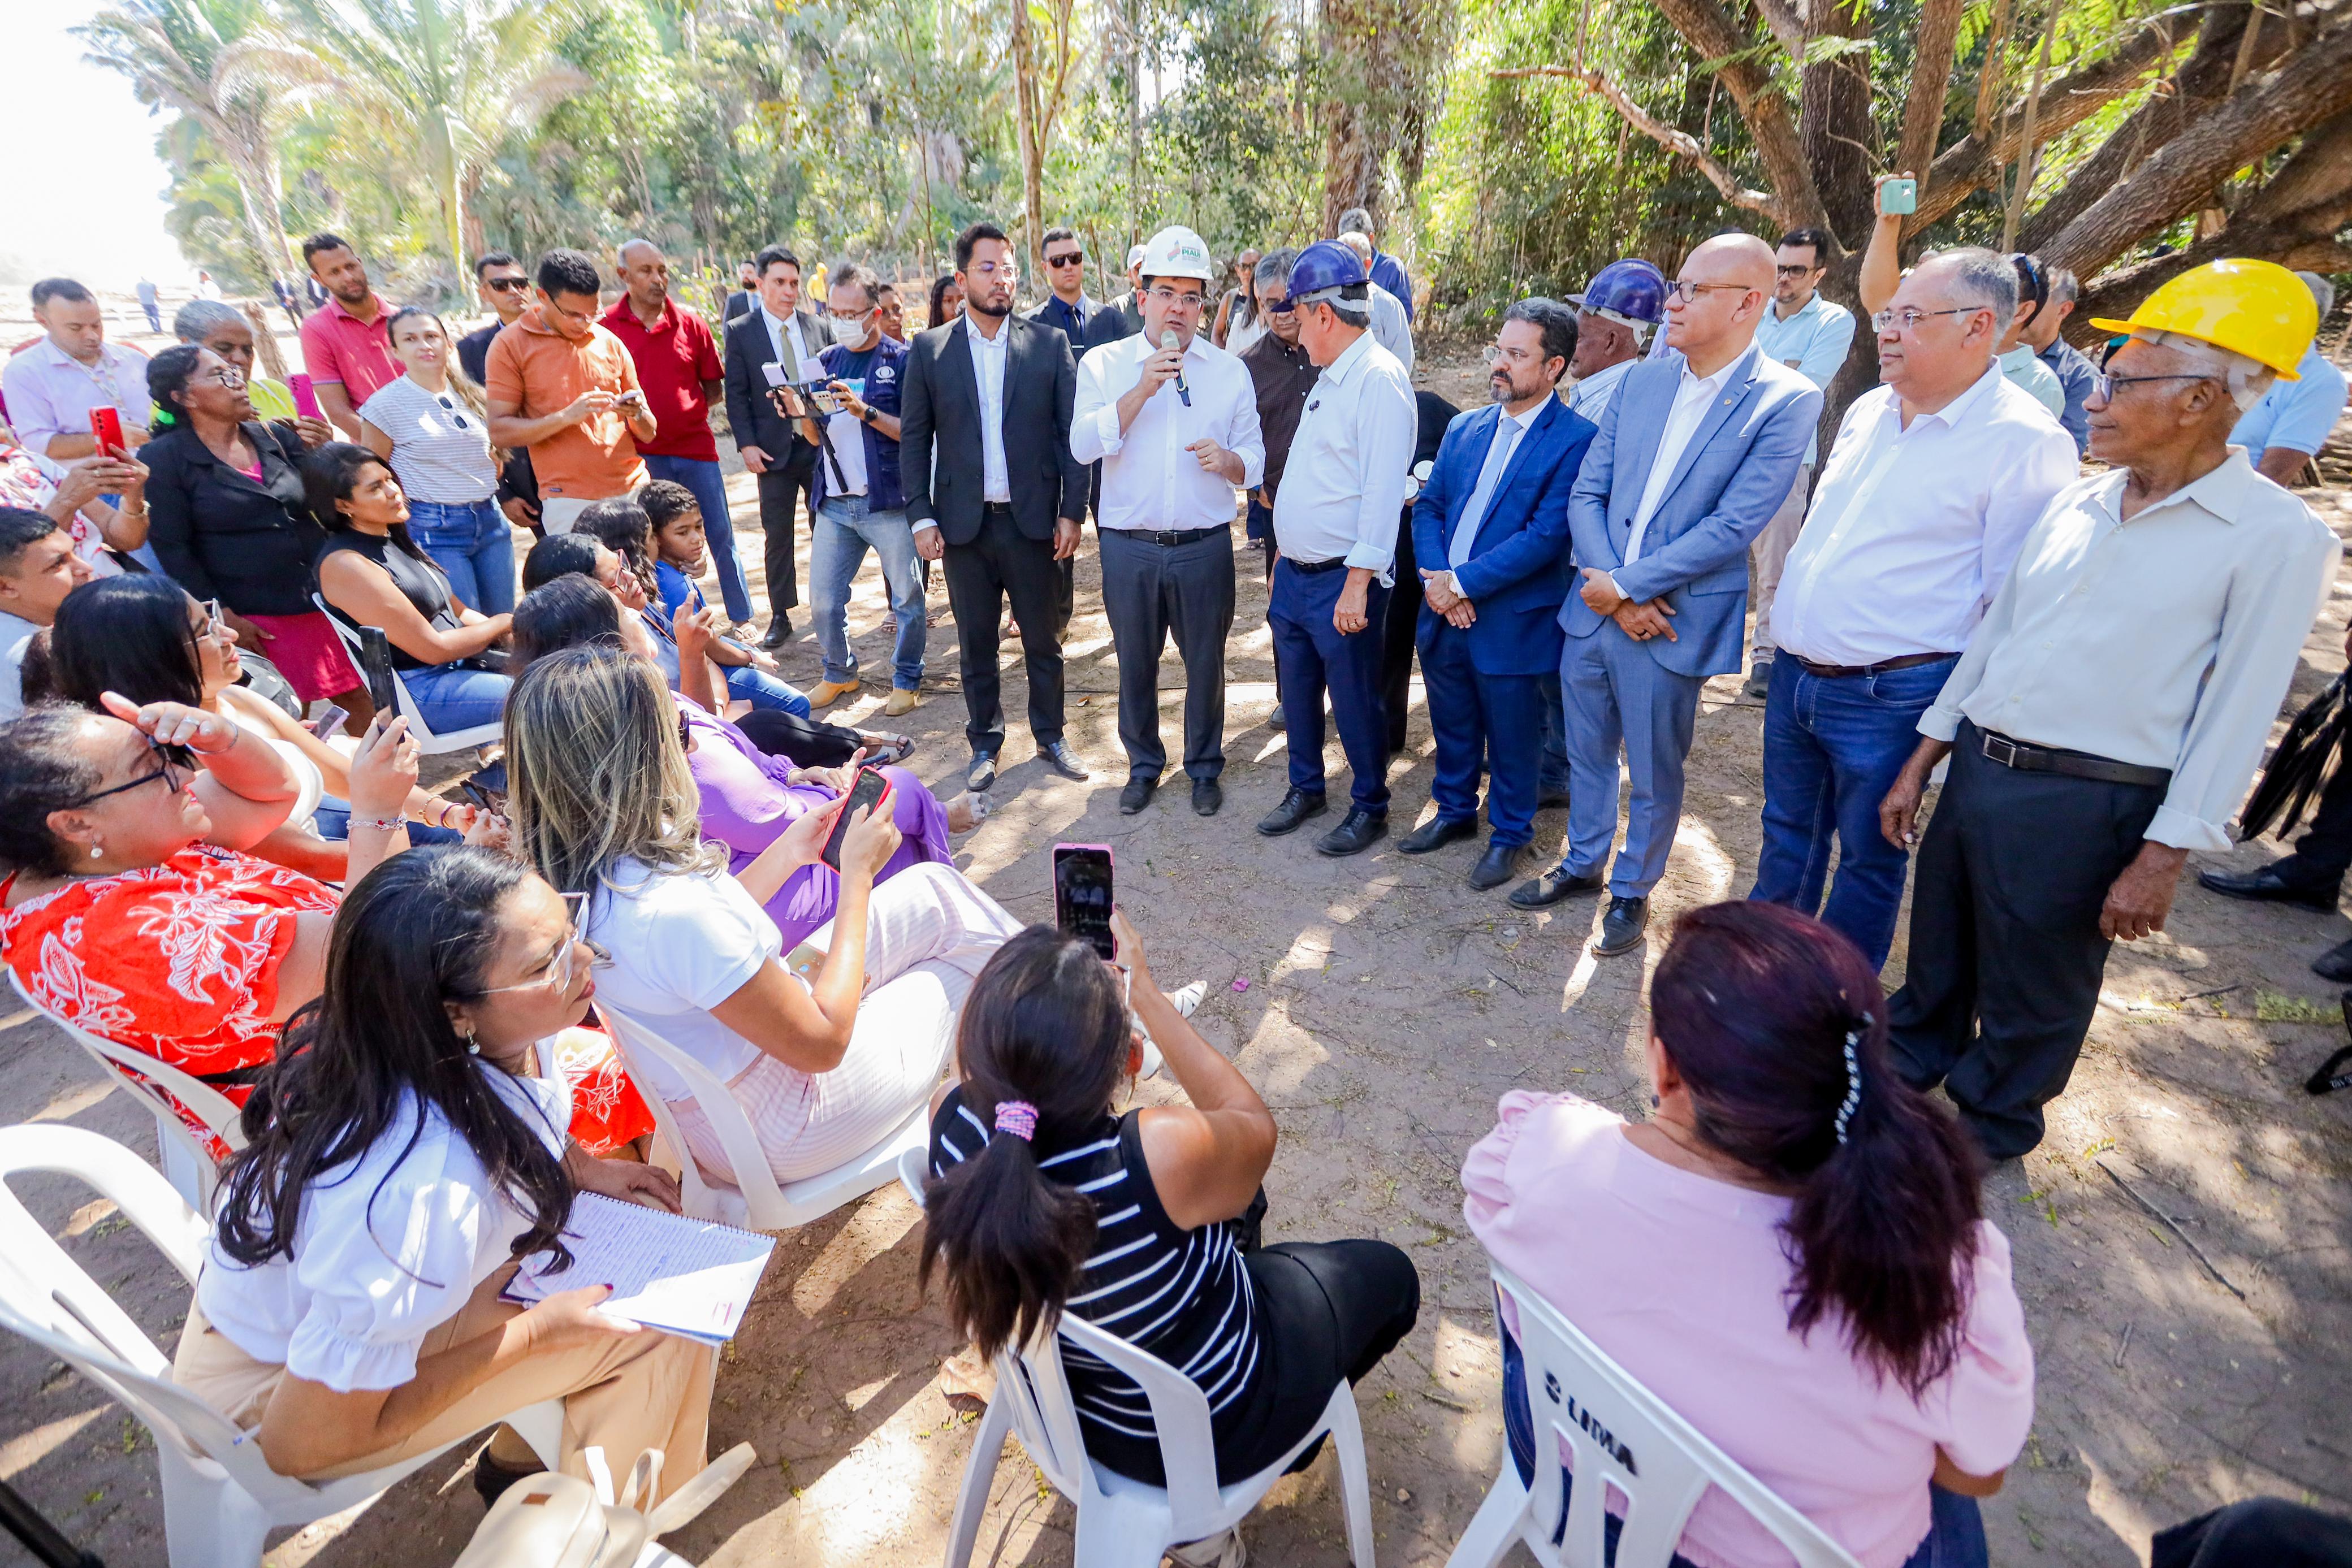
x=432, y=425
x=402, y=1155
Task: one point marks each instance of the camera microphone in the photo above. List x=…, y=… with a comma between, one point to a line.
x=1168, y=340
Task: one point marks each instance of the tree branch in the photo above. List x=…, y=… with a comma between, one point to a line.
x=1782, y=19
x=1709, y=30
x=1931, y=73
x=1680, y=143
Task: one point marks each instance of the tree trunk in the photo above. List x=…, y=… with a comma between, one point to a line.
x=1838, y=136
x=1032, y=160
x=1931, y=74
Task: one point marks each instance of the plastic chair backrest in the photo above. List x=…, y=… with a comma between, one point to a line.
x=427, y=742
x=755, y=1195
x=1627, y=1439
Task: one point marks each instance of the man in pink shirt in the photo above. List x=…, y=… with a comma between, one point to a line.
x=346, y=343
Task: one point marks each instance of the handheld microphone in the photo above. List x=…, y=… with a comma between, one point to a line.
x=1168, y=340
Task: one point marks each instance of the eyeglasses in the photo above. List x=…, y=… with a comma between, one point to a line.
x=228, y=376
x=1689, y=292
x=855, y=317
x=2103, y=386
x=564, y=963
x=175, y=765
x=1909, y=319
x=215, y=628
x=1170, y=298
x=1067, y=258
x=1278, y=307
x=1496, y=354
x=506, y=285
x=1798, y=271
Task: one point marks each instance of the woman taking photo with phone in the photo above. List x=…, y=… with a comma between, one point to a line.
x=432, y=425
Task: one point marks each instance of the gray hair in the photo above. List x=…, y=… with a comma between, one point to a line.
x=2244, y=378
x=850, y=272
x=1980, y=279
x=1358, y=219
x=2321, y=289
x=2064, y=286
x=1354, y=312
x=621, y=251
x=1273, y=270
x=199, y=318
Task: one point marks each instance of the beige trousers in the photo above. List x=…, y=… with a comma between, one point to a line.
x=1770, y=554
x=649, y=1390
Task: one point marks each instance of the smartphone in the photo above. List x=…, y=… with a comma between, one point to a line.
x=330, y=724
x=486, y=788
x=375, y=665
x=106, y=428
x=1082, y=893
x=1899, y=197
x=871, y=790
x=306, y=402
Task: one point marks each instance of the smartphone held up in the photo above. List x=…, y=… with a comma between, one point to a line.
x=1082, y=894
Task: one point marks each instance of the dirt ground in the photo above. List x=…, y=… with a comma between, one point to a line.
x=1382, y=1007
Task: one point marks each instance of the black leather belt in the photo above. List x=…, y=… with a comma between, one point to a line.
x=1842, y=671
x=996, y=508
x=1314, y=566
x=1171, y=535
x=2026, y=758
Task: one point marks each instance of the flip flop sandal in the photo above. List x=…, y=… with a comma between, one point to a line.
x=893, y=748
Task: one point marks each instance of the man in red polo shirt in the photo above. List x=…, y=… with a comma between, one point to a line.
x=680, y=370
x=346, y=342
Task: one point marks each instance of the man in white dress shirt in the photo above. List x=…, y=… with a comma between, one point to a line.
x=1175, y=429
x=1391, y=321
x=1933, y=482
x=2110, y=709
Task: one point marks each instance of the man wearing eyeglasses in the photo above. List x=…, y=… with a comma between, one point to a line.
x=1934, y=479
x=1172, y=419
x=564, y=386
x=39, y=566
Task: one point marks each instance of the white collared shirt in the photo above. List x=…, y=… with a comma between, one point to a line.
x=51, y=393
x=782, y=331
x=1150, y=480
x=1692, y=397
x=1591, y=395
x=2167, y=641
x=988, y=357
x=1912, y=531
x=1343, y=487
x=1391, y=325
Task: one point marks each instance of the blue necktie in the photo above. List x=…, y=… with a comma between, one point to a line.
x=1499, y=457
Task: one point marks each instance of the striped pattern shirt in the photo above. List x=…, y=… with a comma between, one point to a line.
x=1183, y=1295
x=440, y=448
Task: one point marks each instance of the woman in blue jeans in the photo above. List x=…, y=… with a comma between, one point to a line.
x=370, y=573
x=432, y=426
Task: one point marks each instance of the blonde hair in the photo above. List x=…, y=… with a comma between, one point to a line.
x=597, y=773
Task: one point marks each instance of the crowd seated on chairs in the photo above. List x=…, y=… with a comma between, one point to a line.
x=1858, y=1345
x=825, y=1056
x=1044, y=1201
x=409, y=1146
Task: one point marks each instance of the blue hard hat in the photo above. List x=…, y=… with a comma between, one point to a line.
x=1323, y=267
x=1630, y=290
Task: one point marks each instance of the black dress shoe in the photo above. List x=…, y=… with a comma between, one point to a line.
x=1064, y=761
x=779, y=632
x=2336, y=964
x=1296, y=808
x=1495, y=867
x=1274, y=721
x=1208, y=795
x=1437, y=833
x=1551, y=887
x=1137, y=794
x=2266, y=885
x=1622, y=927
x=980, y=774
x=1357, y=832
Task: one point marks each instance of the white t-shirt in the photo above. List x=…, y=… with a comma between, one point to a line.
x=682, y=943
x=440, y=448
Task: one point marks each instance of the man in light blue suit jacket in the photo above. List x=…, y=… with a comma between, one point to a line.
x=1694, y=457
x=1490, y=536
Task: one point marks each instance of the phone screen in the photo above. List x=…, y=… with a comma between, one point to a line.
x=375, y=665
x=1082, y=893
x=870, y=788
x=329, y=723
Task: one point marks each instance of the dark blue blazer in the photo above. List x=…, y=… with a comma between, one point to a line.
x=1518, y=572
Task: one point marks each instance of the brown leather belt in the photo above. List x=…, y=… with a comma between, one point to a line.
x=2026, y=758
x=1840, y=671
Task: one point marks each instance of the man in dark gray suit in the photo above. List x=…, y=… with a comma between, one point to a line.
x=994, y=490
x=781, y=336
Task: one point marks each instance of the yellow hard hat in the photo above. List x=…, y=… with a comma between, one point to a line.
x=2257, y=309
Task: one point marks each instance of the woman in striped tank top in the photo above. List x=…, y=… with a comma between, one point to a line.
x=1043, y=1200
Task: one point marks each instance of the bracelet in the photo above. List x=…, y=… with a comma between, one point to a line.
x=391, y=824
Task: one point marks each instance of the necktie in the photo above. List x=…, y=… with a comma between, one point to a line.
x=1499, y=456
x=786, y=352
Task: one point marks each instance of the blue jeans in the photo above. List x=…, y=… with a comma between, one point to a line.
x=1831, y=749
x=710, y=487
x=471, y=543
x=1956, y=1537
x=452, y=697
x=762, y=690
x=846, y=526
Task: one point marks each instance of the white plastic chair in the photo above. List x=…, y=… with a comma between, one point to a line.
x=427, y=742
x=753, y=1200
x=221, y=1498
x=1624, y=1439
x=1124, y=1522
x=187, y=1162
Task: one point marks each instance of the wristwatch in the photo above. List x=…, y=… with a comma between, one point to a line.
x=868, y=415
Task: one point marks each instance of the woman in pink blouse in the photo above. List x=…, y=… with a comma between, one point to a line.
x=1791, y=1251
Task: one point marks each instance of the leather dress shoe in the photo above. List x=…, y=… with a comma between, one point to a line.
x=1064, y=761
x=1357, y=832
x=1759, y=679
x=2336, y=964
x=2266, y=885
x=779, y=632
x=1437, y=833
x=1137, y=794
x=1622, y=927
x=980, y=774
x=1551, y=887
x=1495, y=867
x=1274, y=721
x=1297, y=807
x=1207, y=796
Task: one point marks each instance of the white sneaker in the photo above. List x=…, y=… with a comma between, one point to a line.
x=1225, y=1550
x=1189, y=997
x=1184, y=1001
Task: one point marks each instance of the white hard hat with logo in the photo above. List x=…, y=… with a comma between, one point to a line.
x=1177, y=252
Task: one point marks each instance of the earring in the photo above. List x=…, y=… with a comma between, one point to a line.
x=472, y=1046
x=97, y=852
x=1654, y=1101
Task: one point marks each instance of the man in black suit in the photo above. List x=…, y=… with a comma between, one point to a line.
x=779, y=336
x=994, y=490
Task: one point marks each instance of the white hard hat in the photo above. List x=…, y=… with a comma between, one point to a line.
x=1177, y=252
x=1135, y=256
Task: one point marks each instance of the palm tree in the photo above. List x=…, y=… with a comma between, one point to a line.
x=194, y=56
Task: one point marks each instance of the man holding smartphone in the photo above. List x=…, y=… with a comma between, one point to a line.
x=53, y=385
x=772, y=346
x=564, y=386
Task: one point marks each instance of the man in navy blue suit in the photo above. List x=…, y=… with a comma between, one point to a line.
x=1495, y=514
x=1694, y=455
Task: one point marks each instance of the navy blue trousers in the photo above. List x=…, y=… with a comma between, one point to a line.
x=1310, y=657
x=1497, y=719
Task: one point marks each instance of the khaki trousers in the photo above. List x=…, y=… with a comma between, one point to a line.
x=649, y=1390
x=1770, y=554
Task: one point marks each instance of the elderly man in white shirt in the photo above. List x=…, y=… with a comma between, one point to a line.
x=2109, y=711
x=1172, y=419
x=1391, y=321
x=1335, y=525
x=1933, y=482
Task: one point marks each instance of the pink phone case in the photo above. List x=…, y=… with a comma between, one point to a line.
x=306, y=402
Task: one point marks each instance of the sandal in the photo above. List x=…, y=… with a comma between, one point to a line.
x=886, y=750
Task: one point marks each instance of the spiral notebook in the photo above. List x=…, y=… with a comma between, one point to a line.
x=693, y=1278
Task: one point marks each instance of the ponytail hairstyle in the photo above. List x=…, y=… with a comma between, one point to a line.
x=1045, y=1026
x=1761, y=1010
x=364, y=1061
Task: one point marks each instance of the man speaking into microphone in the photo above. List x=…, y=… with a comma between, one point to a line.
x=1173, y=418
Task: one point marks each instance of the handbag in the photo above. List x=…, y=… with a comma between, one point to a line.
x=552, y=1521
